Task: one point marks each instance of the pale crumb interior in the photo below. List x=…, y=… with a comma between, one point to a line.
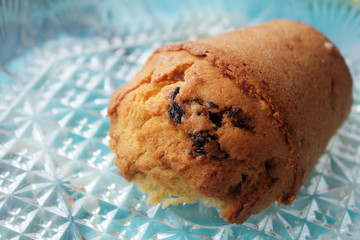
x=161, y=192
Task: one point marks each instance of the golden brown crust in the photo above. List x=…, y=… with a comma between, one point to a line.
x=242, y=117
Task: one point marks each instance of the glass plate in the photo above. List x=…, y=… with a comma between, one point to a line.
x=59, y=63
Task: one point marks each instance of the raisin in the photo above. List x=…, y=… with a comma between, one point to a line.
x=270, y=166
x=199, y=141
x=175, y=111
x=213, y=137
x=193, y=100
x=196, y=100
x=200, y=151
x=175, y=93
x=235, y=189
x=213, y=105
x=271, y=162
x=243, y=176
x=206, y=143
x=216, y=118
x=200, y=113
x=238, y=118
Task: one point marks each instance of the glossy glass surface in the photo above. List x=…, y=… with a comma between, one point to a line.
x=59, y=63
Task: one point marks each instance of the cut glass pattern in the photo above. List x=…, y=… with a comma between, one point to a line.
x=59, y=63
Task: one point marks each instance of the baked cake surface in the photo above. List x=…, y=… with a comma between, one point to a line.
x=237, y=121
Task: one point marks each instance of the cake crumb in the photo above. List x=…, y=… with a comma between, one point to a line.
x=328, y=45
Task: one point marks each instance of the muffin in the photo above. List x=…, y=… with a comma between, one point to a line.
x=235, y=121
